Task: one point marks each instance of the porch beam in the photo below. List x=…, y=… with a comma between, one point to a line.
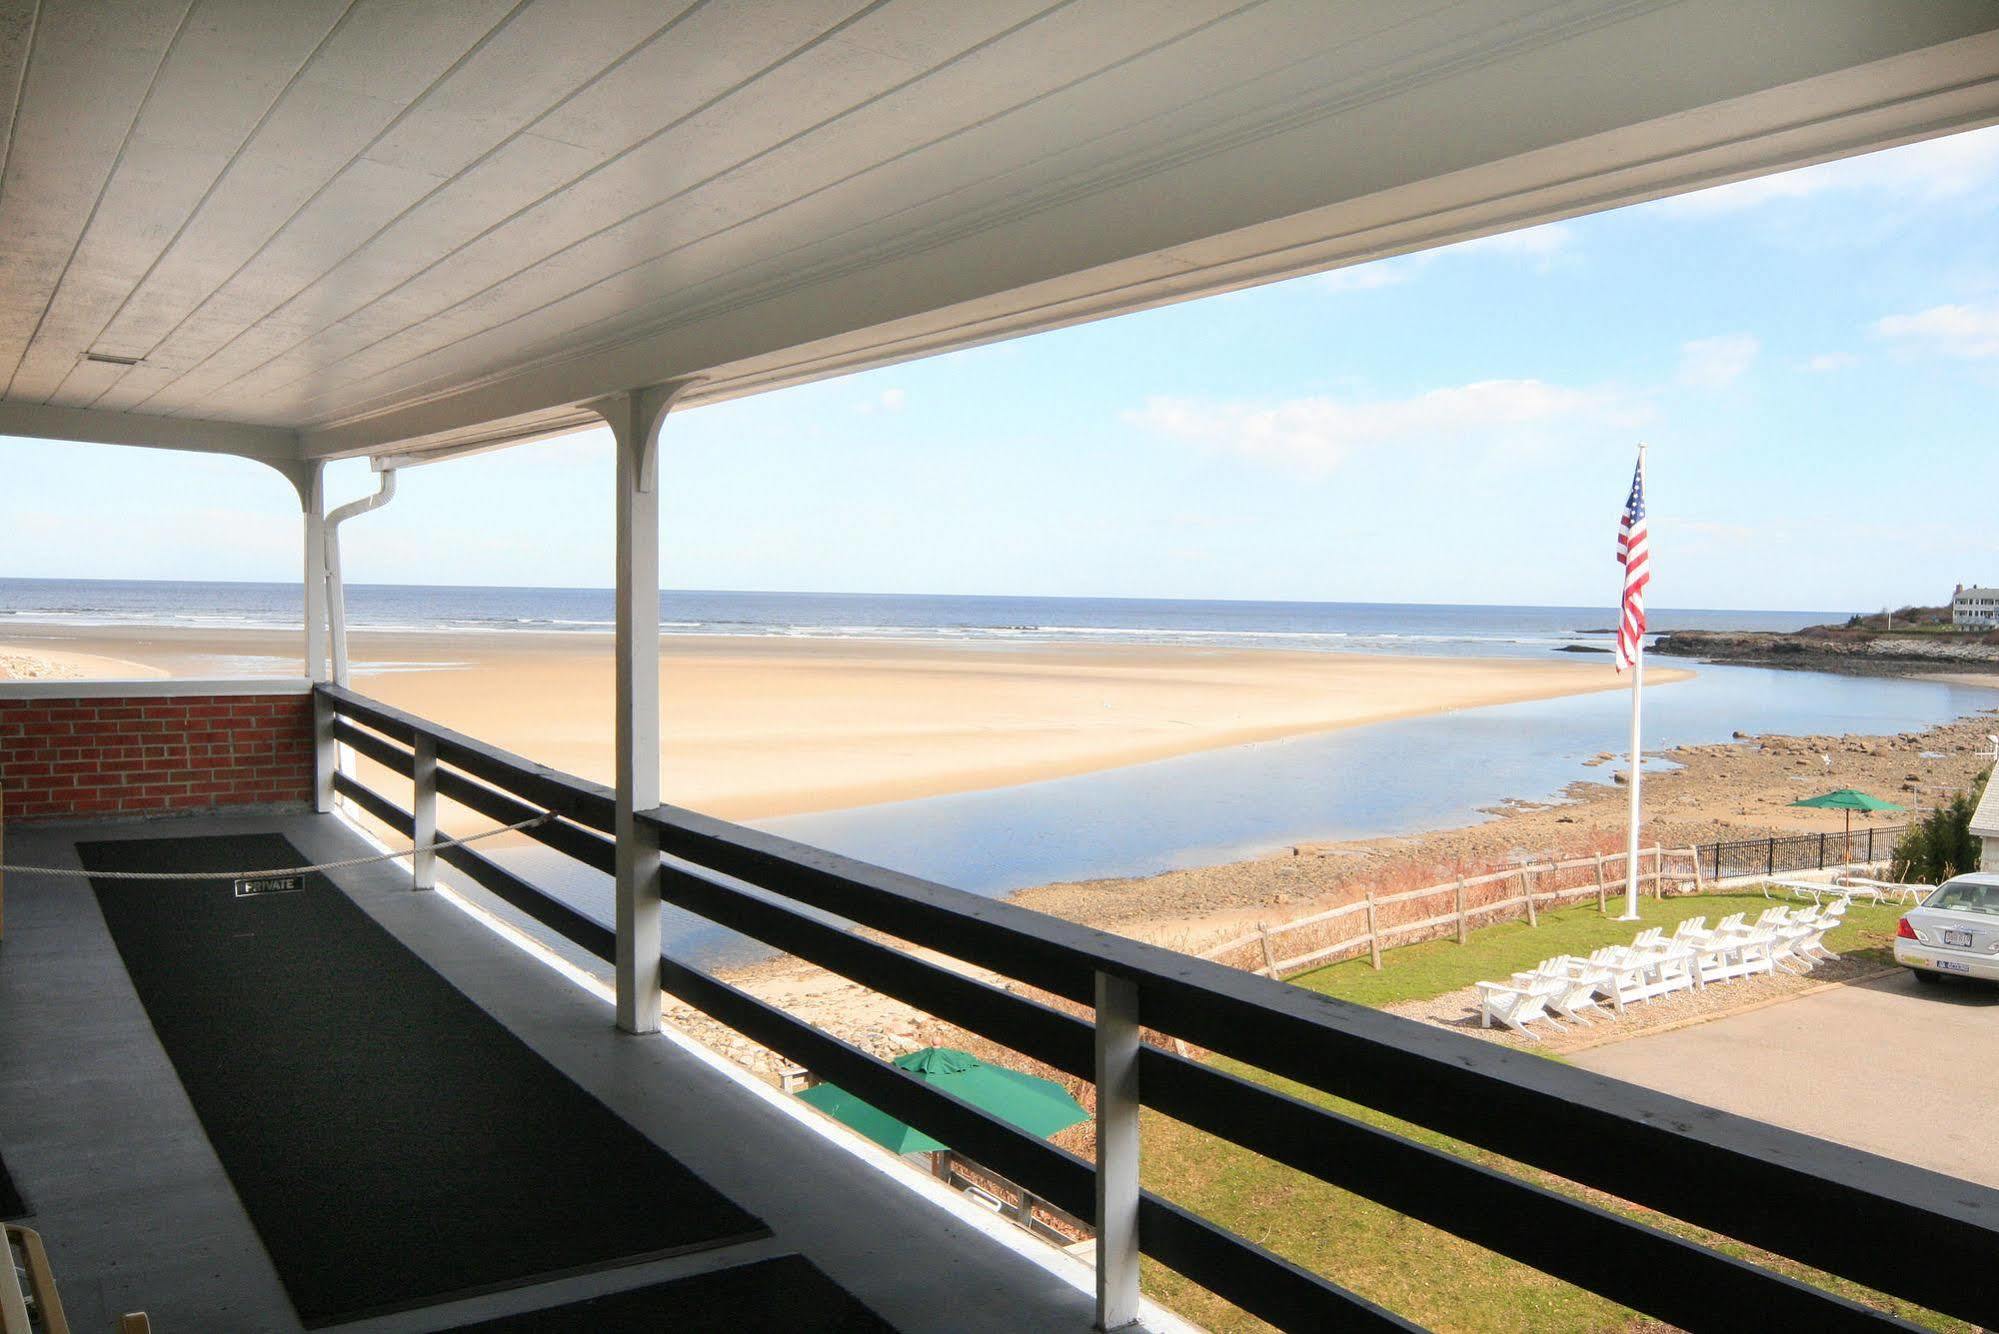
x=635, y=418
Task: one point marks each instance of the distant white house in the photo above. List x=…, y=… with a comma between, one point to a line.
x=1974, y=606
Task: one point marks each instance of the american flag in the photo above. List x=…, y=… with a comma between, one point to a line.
x=1634, y=553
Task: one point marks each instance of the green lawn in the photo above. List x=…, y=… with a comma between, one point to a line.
x=1429, y=1276
x=1416, y=972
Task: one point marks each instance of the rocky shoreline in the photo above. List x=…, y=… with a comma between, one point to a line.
x=1728, y=790
x=1858, y=652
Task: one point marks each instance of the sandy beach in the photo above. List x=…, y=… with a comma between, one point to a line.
x=762, y=727
x=20, y=663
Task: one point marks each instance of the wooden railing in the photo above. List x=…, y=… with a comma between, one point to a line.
x=1900, y=1229
x=1465, y=902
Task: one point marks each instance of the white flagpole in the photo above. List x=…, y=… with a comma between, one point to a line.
x=1637, y=756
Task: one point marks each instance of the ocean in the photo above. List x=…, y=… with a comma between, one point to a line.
x=1386, y=627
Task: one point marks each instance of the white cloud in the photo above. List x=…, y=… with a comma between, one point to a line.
x=1827, y=362
x=1318, y=434
x=1711, y=363
x=1958, y=331
x=1375, y=274
x=888, y=400
x=1540, y=244
x=1934, y=169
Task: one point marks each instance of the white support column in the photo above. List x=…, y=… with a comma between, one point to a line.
x=1117, y=1152
x=325, y=754
x=423, y=806
x=635, y=419
x=313, y=496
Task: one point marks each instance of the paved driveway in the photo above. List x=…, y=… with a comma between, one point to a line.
x=1904, y=1071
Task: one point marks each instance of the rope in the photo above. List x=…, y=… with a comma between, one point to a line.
x=261, y=873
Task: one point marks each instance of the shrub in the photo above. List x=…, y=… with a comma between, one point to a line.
x=1940, y=845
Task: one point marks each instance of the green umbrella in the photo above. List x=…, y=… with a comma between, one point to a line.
x=1849, y=800
x=1038, y=1106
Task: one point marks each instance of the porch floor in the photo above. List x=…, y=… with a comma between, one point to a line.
x=138, y=1214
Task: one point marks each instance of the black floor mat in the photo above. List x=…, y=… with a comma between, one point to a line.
x=11, y=1203
x=392, y=1142
x=787, y=1293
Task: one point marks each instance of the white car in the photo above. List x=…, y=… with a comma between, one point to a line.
x=1955, y=931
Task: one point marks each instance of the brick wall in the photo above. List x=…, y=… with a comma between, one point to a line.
x=130, y=755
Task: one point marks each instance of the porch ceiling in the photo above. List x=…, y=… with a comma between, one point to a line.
x=329, y=227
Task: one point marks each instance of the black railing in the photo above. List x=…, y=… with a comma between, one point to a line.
x=1902, y=1230
x=1786, y=854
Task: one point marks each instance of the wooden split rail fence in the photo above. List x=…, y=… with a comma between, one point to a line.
x=1388, y=920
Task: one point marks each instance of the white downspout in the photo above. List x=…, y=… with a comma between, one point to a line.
x=336, y=590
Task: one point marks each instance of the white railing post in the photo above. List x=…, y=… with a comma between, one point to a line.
x=423, y=806
x=1117, y=1152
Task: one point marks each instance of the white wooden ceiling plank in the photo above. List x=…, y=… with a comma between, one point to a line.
x=823, y=80
x=708, y=52
x=90, y=68
x=541, y=57
x=185, y=136
x=17, y=28
x=1250, y=181
x=1082, y=41
x=707, y=144
x=82, y=385
x=378, y=63
x=537, y=58
x=135, y=385
x=519, y=174
x=153, y=190
x=692, y=60
x=355, y=204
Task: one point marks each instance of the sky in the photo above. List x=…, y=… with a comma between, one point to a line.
x=1812, y=359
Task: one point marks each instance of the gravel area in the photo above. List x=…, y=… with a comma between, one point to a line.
x=1458, y=1010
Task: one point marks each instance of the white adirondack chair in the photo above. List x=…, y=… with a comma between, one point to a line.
x=1580, y=982
x=1516, y=1007
x=1602, y=970
x=1673, y=968
x=1641, y=974
x=1810, y=943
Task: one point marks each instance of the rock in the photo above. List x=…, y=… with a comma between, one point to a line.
x=1619, y=778
x=1741, y=735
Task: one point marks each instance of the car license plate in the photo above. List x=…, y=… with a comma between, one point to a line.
x=1961, y=939
x=1950, y=967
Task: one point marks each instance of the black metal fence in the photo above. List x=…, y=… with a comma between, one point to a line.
x=1790, y=853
